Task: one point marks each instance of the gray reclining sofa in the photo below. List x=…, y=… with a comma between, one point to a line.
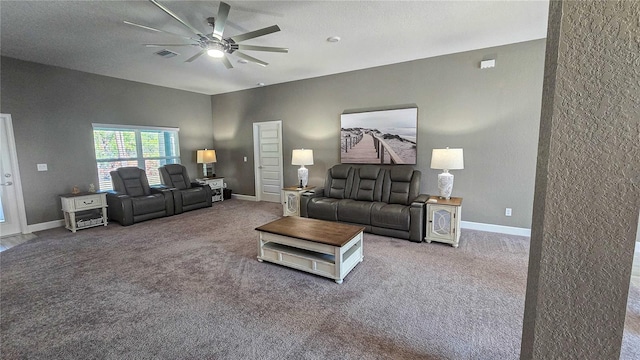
x=386, y=201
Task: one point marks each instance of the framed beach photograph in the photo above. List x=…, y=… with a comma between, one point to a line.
x=379, y=137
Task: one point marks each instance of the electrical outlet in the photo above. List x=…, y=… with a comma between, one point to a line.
x=42, y=167
x=507, y=212
x=245, y=159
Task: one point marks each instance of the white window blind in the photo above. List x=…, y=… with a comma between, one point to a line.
x=145, y=147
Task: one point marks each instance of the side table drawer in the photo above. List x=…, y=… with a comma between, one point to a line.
x=87, y=202
x=216, y=183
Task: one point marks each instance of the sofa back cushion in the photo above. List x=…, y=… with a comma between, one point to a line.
x=401, y=185
x=175, y=175
x=131, y=181
x=339, y=182
x=367, y=183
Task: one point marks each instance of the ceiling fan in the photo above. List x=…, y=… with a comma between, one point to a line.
x=214, y=44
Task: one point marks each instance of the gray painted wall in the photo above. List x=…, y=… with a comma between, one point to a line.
x=52, y=110
x=493, y=114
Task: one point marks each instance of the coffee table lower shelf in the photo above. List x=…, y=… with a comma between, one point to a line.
x=321, y=259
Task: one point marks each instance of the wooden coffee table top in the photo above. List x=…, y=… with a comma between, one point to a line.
x=320, y=231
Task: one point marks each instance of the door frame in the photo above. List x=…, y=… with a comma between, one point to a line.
x=256, y=156
x=17, y=181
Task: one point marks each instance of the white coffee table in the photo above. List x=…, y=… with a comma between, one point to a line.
x=320, y=247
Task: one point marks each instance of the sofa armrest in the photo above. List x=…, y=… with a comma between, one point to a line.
x=313, y=193
x=119, y=207
x=167, y=192
x=156, y=189
x=206, y=188
x=417, y=212
x=420, y=199
x=306, y=197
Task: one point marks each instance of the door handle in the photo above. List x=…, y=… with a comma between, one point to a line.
x=8, y=183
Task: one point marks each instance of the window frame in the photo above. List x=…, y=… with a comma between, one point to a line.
x=139, y=158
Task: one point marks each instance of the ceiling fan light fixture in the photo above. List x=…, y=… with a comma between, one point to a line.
x=215, y=50
x=215, y=53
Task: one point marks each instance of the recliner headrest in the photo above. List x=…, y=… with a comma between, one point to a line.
x=129, y=172
x=340, y=171
x=369, y=172
x=403, y=173
x=174, y=169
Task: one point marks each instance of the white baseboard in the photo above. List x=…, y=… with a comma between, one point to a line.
x=510, y=230
x=244, y=197
x=59, y=223
x=44, y=226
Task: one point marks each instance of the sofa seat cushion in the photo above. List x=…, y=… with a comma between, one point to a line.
x=352, y=211
x=148, y=204
x=193, y=196
x=391, y=216
x=323, y=208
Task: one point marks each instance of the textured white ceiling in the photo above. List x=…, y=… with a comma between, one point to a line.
x=91, y=36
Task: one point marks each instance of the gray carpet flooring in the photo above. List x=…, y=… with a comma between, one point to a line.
x=190, y=287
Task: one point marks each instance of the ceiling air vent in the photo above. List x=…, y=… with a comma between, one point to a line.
x=167, y=53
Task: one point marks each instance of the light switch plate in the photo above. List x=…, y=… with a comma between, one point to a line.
x=42, y=167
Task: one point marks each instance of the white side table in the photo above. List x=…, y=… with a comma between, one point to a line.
x=216, y=185
x=84, y=210
x=443, y=220
x=291, y=199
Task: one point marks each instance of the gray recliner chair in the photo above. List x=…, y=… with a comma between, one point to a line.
x=133, y=200
x=187, y=195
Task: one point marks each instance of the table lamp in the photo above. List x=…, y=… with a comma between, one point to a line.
x=446, y=159
x=205, y=157
x=302, y=157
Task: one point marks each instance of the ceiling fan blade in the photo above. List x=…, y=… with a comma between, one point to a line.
x=221, y=20
x=173, y=15
x=226, y=62
x=250, y=58
x=263, y=48
x=196, y=56
x=156, y=30
x=163, y=45
x=255, y=34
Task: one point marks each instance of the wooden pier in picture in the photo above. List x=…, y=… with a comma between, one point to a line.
x=368, y=149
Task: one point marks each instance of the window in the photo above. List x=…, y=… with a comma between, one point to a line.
x=145, y=147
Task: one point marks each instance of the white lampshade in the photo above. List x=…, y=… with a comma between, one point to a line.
x=447, y=159
x=206, y=156
x=302, y=157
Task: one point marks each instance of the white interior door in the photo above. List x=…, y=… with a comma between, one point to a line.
x=267, y=144
x=9, y=180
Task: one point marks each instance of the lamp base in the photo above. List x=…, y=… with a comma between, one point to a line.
x=303, y=176
x=445, y=184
